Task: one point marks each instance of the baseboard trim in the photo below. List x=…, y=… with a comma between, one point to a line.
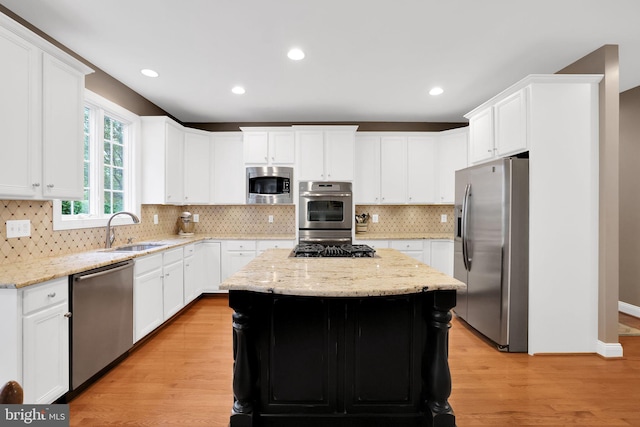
x=631, y=310
x=609, y=350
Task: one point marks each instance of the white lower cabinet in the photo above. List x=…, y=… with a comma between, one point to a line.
x=442, y=256
x=211, y=255
x=413, y=248
x=194, y=271
x=45, y=341
x=237, y=254
x=147, y=295
x=172, y=281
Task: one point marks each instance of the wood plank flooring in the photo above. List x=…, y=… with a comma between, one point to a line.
x=182, y=376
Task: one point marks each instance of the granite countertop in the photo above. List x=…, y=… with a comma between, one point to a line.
x=403, y=236
x=21, y=274
x=390, y=273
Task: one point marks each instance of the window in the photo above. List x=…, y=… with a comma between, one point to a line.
x=110, y=170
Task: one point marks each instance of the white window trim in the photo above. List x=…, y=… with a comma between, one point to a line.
x=133, y=163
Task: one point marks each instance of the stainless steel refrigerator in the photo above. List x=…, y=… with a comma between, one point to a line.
x=491, y=247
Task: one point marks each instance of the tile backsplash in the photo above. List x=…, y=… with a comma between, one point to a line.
x=214, y=220
x=409, y=218
x=217, y=220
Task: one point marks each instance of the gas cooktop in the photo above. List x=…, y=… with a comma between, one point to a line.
x=315, y=250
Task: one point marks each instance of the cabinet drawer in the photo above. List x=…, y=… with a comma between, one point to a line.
x=275, y=244
x=145, y=264
x=189, y=250
x=375, y=244
x=241, y=245
x=173, y=255
x=407, y=245
x=45, y=294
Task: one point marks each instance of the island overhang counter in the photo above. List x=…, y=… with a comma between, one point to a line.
x=341, y=341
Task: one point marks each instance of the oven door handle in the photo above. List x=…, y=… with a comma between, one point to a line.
x=324, y=240
x=325, y=194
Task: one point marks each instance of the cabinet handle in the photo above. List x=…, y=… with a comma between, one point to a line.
x=52, y=295
x=37, y=184
x=50, y=185
x=67, y=314
x=167, y=275
x=489, y=151
x=187, y=265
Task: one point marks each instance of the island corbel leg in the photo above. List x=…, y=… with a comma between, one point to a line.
x=436, y=374
x=243, y=380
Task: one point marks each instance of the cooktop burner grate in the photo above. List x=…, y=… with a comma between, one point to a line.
x=336, y=251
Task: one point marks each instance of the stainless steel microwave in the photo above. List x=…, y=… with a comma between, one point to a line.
x=269, y=184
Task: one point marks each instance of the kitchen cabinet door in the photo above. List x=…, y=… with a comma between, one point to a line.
x=481, y=146
x=194, y=272
x=393, y=173
x=229, y=185
x=172, y=282
x=147, y=295
x=62, y=130
x=197, y=167
x=19, y=117
x=452, y=156
x=281, y=148
x=511, y=124
x=339, y=155
x=421, y=169
x=212, y=267
x=45, y=345
x=174, y=163
x=310, y=149
x=366, y=180
x=255, y=147
x=442, y=256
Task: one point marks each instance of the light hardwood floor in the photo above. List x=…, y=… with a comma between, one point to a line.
x=182, y=376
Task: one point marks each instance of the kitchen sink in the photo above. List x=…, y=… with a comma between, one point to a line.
x=138, y=247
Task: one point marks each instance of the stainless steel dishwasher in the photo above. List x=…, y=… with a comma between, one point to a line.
x=101, y=324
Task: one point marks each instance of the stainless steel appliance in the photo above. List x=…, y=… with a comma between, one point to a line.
x=492, y=250
x=269, y=184
x=101, y=327
x=325, y=212
x=315, y=250
x=186, y=224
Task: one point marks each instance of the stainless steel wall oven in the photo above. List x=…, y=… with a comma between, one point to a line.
x=325, y=212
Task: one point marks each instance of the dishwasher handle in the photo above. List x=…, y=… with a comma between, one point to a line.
x=103, y=272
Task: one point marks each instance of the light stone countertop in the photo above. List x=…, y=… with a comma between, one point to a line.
x=390, y=273
x=403, y=236
x=26, y=273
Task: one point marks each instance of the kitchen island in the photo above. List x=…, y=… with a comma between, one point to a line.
x=341, y=341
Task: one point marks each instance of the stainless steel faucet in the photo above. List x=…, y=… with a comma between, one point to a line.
x=111, y=234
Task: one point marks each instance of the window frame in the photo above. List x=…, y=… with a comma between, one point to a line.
x=102, y=107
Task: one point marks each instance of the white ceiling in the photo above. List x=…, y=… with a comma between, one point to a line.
x=366, y=60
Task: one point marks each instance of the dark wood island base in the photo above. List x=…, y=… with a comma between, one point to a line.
x=341, y=361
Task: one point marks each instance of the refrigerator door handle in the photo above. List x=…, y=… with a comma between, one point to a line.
x=465, y=225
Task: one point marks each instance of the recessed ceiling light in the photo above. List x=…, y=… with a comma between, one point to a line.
x=295, y=54
x=149, y=73
x=436, y=91
x=238, y=90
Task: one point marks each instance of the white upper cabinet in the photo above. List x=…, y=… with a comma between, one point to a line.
x=228, y=180
x=481, y=146
x=162, y=161
x=510, y=115
x=398, y=168
x=393, y=169
x=366, y=182
x=197, y=166
x=325, y=153
x=499, y=127
x=41, y=110
x=268, y=146
x=452, y=156
x=422, y=165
